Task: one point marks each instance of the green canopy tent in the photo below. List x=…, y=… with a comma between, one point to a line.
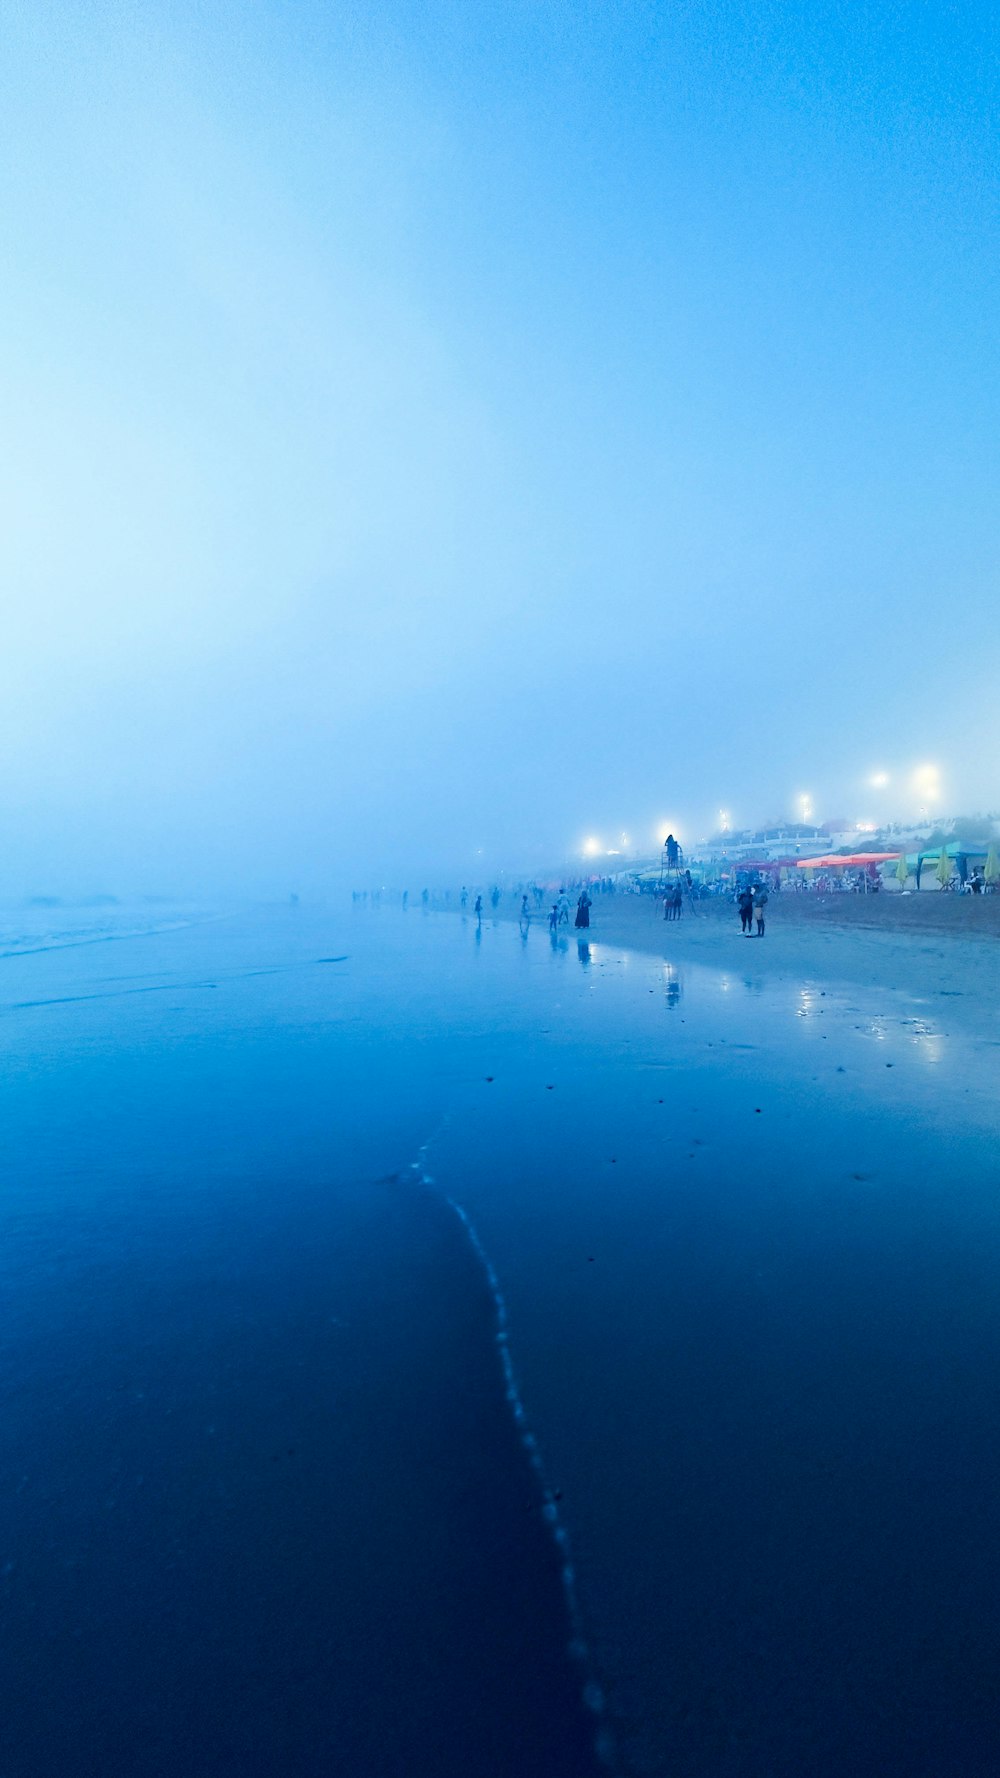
x=957, y=852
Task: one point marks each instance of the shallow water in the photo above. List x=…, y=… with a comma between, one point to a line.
x=269, y=1503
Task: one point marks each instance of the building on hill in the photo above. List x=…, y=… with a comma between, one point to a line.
x=792, y=839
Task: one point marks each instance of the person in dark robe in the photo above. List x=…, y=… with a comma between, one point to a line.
x=583, y=910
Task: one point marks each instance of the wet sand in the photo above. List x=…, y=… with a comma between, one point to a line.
x=271, y=1505
x=746, y=1227
x=267, y=1508
x=933, y=947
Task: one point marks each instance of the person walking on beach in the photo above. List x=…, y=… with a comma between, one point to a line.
x=744, y=901
x=583, y=907
x=554, y=917
x=463, y=898
x=478, y=909
x=759, y=904
x=563, y=905
x=678, y=902
x=495, y=897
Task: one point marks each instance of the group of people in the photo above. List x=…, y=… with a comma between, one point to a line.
x=558, y=916
x=559, y=911
x=751, y=900
x=752, y=904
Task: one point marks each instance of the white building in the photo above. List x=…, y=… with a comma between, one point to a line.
x=793, y=839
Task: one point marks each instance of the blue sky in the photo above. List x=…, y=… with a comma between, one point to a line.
x=440, y=427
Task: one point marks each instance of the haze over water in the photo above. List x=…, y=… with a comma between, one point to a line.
x=269, y=1504
x=439, y=433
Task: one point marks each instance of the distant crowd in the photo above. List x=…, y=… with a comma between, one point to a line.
x=748, y=890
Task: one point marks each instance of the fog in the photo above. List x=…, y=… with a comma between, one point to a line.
x=436, y=433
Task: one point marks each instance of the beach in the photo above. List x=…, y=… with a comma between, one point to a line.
x=434, y=1349
x=933, y=947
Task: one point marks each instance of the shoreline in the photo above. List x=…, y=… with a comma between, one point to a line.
x=938, y=952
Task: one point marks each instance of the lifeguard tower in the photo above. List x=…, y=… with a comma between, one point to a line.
x=671, y=859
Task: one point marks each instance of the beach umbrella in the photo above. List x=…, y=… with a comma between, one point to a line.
x=902, y=870
x=992, y=871
x=943, y=872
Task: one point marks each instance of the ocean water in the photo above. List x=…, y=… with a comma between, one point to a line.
x=427, y=1352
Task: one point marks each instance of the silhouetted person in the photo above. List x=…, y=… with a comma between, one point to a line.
x=583, y=907
x=478, y=910
x=759, y=904
x=554, y=917
x=744, y=901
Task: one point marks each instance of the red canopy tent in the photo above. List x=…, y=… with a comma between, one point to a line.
x=854, y=860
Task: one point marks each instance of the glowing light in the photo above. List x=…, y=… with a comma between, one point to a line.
x=927, y=781
x=724, y=821
x=865, y=826
x=879, y=780
x=591, y=847
x=805, y=803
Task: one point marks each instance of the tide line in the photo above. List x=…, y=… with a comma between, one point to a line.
x=579, y=1650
